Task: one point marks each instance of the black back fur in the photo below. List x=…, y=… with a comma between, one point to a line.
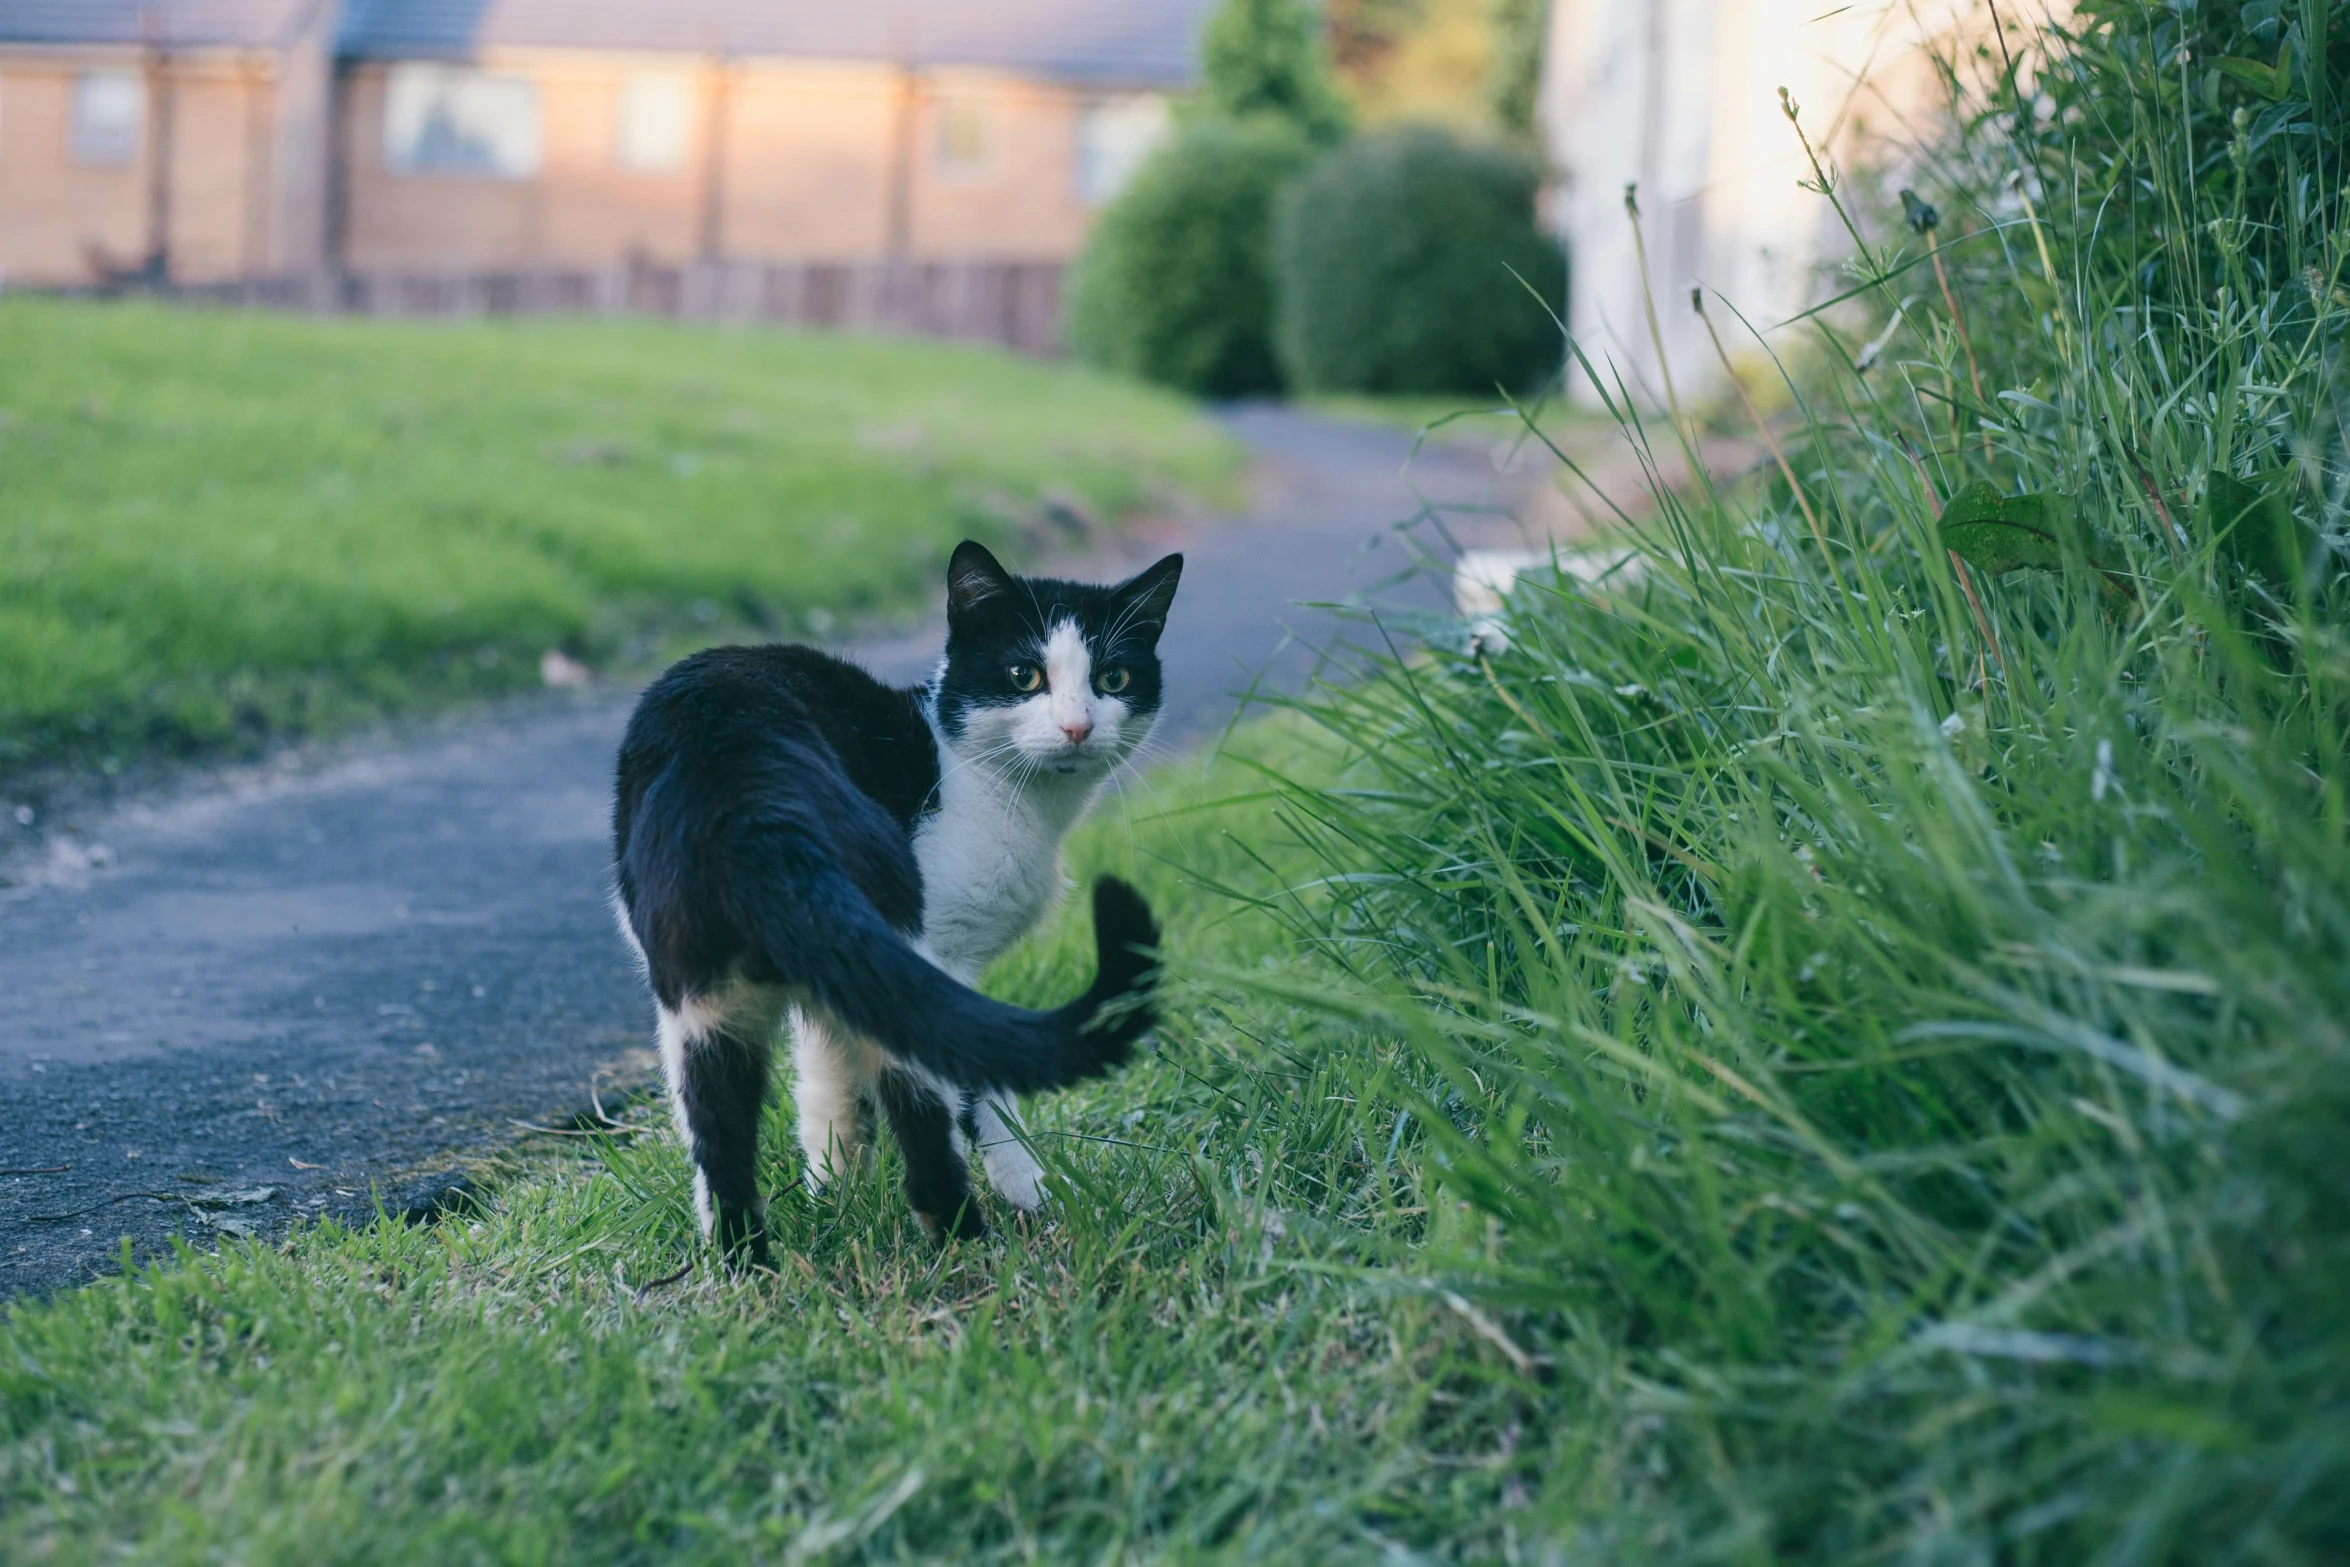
x=763, y=831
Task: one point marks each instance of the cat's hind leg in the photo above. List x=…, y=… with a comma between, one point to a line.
x=832, y=1089
x=921, y=1114
x=1011, y=1166
x=714, y=1055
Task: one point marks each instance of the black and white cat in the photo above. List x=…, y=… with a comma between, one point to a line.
x=796, y=841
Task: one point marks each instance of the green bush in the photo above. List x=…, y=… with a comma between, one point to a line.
x=1392, y=261
x=1175, y=284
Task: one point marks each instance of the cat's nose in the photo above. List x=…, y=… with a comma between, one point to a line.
x=1077, y=729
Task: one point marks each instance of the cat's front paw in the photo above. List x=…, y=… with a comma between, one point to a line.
x=1026, y=1192
x=1013, y=1171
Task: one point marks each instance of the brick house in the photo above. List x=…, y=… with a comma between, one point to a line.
x=207, y=140
x=185, y=136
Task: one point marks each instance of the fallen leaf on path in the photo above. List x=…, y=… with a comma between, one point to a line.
x=559, y=671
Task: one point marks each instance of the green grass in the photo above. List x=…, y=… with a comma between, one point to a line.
x=214, y=526
x=1815, y=1056
x=1158, y=1371
x=1895, y=1019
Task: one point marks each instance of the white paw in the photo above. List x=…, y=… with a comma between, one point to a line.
x=1026, y=1195
x=1017, y=1177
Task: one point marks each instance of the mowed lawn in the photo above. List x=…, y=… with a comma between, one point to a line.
x=1162, y=1368
x=218, y=526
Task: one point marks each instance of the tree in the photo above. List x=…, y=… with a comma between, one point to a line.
x=1268, y=60
x=1515, y=87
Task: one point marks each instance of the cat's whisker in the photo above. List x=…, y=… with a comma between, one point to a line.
x=1011, y=748
x=1148, y=749
x=1143, y=781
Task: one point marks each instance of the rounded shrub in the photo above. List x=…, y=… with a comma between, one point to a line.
x=1175, y=284
x=1392, y=263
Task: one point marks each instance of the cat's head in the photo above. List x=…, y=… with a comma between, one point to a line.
x=1049, y=677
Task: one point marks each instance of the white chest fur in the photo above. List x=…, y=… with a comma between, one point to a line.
x=991, y=860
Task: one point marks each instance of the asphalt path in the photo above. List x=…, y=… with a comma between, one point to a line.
x=316, y=986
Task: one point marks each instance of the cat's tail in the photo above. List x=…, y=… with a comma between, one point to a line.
x=866, y=975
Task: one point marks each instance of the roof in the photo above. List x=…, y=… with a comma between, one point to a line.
x=1138, y=42
x=241, y=23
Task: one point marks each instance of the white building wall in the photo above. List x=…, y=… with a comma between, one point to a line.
x=1681, y=98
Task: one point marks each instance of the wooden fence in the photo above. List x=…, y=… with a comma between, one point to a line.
x=1014, y=304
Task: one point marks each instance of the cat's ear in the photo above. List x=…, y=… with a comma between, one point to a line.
x=1144, y=598
x=973, y=577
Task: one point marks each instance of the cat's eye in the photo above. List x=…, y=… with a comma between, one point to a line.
x=1113, y=680
x=1026, y=677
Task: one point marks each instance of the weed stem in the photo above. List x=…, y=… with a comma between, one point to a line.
x=1958, y=319
x=1697, y=303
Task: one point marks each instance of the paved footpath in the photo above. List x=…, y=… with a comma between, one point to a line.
x=325, y=982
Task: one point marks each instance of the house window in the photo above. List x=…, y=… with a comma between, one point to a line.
x=962, y=138
x=109, y=109
x=441, y=119
x=1114, y=138
x=656, y=118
